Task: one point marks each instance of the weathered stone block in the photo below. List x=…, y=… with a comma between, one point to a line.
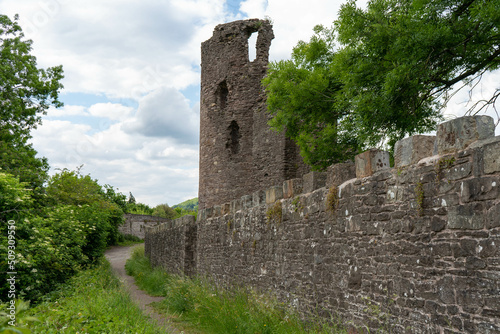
x=217, y=211
x=247, y=201
x=339, y=173
x=466, y=217
x=209, y=212
x=226, y=208
x=259, y=198
x=369, y=162
x=394, y=194
x=458, y=134
x=491, y=158
x=480, y=189
x=273, y=194
x=187, y=219
x=493, y=216
x=236, y=205
x=411, y=150
x=313, y=181
x=292, y=188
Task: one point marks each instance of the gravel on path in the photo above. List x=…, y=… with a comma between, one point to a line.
x=117, y=256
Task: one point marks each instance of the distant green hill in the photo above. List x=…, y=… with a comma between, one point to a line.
x=190, y=205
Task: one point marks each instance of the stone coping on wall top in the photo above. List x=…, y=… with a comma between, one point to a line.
x=469, y=132
x=175, y=223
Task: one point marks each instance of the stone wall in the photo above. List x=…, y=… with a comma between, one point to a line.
x=173, y=245
x=418, y=242
x=136, y=224
x=239, y=153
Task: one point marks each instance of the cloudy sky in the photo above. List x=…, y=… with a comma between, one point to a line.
x=132, y=75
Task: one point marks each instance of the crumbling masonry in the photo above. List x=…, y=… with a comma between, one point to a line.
x=239, y=153
x=418, y=244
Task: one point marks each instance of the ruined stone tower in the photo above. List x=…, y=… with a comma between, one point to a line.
x=239, y=153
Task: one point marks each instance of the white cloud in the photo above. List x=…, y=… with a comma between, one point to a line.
x=165, y=113
x=112, y=111
x=110, y=47
x=67, y=111
x=254, y=8
x=155, y=170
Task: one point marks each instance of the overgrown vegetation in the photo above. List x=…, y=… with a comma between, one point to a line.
x=93, y=301
x=189, y=207
x=53, y=242
x=128, y=239
x=274, y=213
x=332, y=199
x=198, y=304
x=441, y=165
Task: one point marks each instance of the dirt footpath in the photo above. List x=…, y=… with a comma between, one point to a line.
x=117, y=256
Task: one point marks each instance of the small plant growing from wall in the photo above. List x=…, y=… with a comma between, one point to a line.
x=419, y=196
x=297, y=205
x=274, y=214
x=332, y=199
x=376, y=314
x=443, y=164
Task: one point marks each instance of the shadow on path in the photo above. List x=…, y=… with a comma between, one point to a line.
x=117, y=256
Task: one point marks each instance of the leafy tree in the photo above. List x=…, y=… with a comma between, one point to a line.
x=14, y=198
x=389, y=75
x=114, y=196
x=73, y=188
x=139, y=208
x=165, y=211
x=26, y=92
x=301, y=96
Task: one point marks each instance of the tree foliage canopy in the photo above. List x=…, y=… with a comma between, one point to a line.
x=26, y=92
x=381, y=73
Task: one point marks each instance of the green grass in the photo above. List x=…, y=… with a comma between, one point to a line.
x=94, y=301
x=128, y=240
x=198, y=305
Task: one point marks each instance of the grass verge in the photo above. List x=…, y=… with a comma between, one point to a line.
x=199, y=305
x=94, y=301
x=128, y=240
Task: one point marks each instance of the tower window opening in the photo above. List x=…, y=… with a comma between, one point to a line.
x=233, y=140
x=222, y=93
x=252, y=46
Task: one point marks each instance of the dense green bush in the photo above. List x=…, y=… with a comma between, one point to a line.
x=52, y=243
x=103, y=207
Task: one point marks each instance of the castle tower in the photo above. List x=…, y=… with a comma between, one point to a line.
x=239, y=153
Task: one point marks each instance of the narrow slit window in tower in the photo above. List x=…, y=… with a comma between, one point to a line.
x=252, y=46
x=222, y=93
x=233, y=140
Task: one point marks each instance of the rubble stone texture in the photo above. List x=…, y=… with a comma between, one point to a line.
x=239, y=153
x=422, y=242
